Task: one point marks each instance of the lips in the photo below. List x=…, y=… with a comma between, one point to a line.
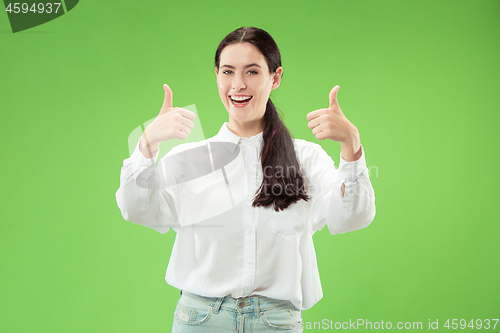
x=240, y=100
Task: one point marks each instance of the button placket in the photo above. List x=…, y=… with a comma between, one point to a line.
x=248, y=219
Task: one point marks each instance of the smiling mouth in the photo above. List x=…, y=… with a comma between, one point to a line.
x=240, y=100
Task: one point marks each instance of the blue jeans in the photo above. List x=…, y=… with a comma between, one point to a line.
x=196, y=313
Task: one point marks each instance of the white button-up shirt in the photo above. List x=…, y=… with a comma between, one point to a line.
x=224, y=246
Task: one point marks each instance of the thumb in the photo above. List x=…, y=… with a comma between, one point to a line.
x=333, y=96
x=167, y=103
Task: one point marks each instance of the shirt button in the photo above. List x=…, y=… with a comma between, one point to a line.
x=249, y=231
x=241, y=305
x=250, y=262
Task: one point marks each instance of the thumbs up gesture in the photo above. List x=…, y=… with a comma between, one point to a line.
x=169, y=124
x=331, y=123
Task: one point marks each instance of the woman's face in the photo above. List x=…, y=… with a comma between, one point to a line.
x=245, y=83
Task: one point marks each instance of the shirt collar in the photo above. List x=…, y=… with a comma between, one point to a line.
x=226, y=136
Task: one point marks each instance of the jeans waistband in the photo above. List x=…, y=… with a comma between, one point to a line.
x=256, y=303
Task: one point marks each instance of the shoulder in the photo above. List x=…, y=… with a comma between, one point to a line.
x=195, y=144
x=310, y=153
x=301, y=143
x=306, y=148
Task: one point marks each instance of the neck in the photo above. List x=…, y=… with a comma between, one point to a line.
x=246, y=129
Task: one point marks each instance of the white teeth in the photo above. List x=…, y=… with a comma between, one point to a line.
x=240, y=98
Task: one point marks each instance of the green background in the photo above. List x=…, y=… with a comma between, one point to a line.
x=419, y=79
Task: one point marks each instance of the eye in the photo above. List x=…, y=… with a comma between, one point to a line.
x=252, y=72
x=227, y=72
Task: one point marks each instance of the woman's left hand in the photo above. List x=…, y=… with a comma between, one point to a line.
x=331, y=123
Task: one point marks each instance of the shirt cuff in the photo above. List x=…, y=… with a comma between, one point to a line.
x=349, y=171
x=139, y=160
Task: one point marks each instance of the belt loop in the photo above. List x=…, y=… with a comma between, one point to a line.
x=218, y=304
x=256, y=306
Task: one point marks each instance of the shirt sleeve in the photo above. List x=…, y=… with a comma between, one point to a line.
x=141, y=198
x=356, y=209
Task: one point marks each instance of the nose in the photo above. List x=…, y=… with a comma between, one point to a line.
x=238, y=82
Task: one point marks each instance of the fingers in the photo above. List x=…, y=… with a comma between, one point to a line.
x=185, y=123
x=167, y=103
x=318, y=128
x=184, y=131
x=319, y=133
x=186, y=113
x=333, y=96
x=313, y=123
x=314, y=114
x=321, y=121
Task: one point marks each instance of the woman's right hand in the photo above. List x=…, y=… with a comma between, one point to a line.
x=169, y=124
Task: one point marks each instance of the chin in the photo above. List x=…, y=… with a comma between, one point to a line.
x=240, y=119
x=240, y=115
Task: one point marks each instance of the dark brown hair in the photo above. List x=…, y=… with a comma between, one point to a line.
x=278, y=152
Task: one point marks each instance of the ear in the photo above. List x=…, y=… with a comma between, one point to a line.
x=216, y=71
x=277, y=77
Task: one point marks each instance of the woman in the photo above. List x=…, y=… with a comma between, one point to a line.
x=246, y=202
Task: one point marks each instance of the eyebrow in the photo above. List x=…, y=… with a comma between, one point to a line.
x=250, y=65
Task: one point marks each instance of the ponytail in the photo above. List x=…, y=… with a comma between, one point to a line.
x=282, y=183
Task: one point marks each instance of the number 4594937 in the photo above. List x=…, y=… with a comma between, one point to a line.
x=477, y=324
x=35, y=8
